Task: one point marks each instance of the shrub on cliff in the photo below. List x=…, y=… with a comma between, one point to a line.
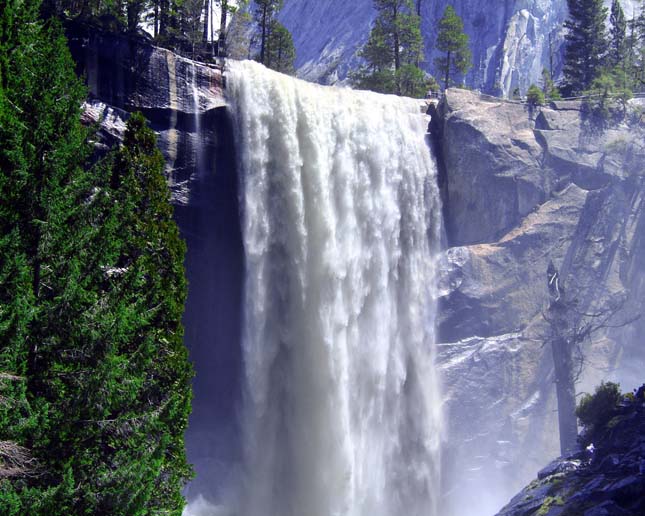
x=535, y=96
x=595, y=410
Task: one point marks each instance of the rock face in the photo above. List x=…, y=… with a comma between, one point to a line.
x=511, y=40
x=608, y=481
x=522, y=188
x=183, y=100
x=184, y=103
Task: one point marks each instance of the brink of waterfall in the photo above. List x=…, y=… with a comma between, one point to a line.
x=340, y=222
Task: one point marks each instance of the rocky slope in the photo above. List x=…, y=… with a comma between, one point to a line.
x=520, y=188
x=511, y=39
x=607, y=480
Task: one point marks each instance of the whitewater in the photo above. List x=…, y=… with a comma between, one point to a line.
x=341, y=220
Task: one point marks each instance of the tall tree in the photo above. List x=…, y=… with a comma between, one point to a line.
x=223, y=23
x=453, y=41
x=91, y=356
x=585, y=44
x=280, y=51
x=393, y=51
x=570, y=327
x=617, y=35
x=264, y=12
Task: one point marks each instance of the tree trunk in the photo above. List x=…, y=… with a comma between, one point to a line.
x=207, y=16
x=447, y=77
x=163, y=17
x=566, y=394
x=562, y=345
x=397, y=42
x=156, y=18
x=264, y=34
x=221, y=43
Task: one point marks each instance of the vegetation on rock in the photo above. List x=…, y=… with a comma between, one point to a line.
x=453, y=42
x=595, y=410
x=535, y=96
x=393, y=52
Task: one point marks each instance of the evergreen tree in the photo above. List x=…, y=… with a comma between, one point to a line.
x=92, y=365
x=280, y=51
x=585, y=44
x=378, y=72
x=548, y=86
x=393, y=51
x=264, y=12
x=149, y=290
x=453, y=41
x=617, y=35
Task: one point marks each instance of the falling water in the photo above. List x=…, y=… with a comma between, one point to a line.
x=196, y=115
x=341, y=215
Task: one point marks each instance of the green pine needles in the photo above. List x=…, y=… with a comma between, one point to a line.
x=452, y=41
x=393, y=52
x=94, y=377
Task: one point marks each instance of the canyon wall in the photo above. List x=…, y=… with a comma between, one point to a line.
x=520, y=188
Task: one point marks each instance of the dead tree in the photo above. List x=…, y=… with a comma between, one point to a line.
x=570, y=329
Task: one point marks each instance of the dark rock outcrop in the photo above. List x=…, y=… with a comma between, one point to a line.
x=608, y=481
x=182, y=99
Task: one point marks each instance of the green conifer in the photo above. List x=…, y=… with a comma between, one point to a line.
x=280, y=51
x=393, y=51
x=585, y=44
x=453, y=41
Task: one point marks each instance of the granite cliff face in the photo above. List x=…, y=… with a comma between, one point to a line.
x=511, y=40
x=520, y=188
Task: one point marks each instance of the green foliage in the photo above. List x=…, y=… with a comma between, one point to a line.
x=548, y=503
x=264, y=13
x=280, y=51
x=411, y=81
x=585, y=44
x=551, y=92
x=92, y=365
x=606, y=102
x=595, y=410
x=453, y=41
x=535, y=96
x=393, y=52
x=617, y=35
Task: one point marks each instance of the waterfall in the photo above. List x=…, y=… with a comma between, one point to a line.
x=340, y=218
x=196, y=116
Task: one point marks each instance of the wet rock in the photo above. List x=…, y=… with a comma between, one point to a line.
x=605, y=486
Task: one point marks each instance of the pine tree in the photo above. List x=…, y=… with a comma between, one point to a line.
x=617, y=35
x=280, y=51
x=452, y=40
x=149, y=288
x=91, y=293
x=393, y=51
x=264, y=13
x=585, y=44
